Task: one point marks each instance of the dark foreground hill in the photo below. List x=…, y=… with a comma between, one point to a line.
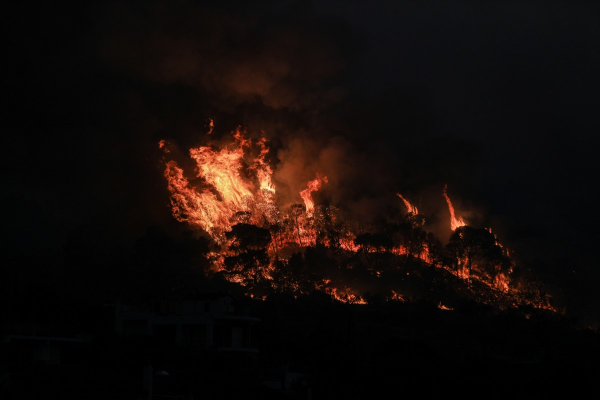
x=418, y=349
x=314, y=347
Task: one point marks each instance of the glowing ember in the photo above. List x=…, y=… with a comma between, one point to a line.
x=501, y=282
x=409, y=207
x=454, y=221
x=161, y=145
x=312, y=186
x=198, y=208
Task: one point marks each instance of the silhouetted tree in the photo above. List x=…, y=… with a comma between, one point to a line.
x=372, y=245
x=249, y=245
x=470, y=245
x=276, y=230
x=243, y=237
x=296, y=211
x=411, y=236
x=327, y=225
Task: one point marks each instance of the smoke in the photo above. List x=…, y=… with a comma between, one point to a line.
x=279, y=57
x=283, y=71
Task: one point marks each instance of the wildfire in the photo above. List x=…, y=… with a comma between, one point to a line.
x=225, y=191
x=233, y=185
x=345, y=295
x=501, y=282
x=312, y=186
x=455, y=222
x=221, y=171
x=409, y=207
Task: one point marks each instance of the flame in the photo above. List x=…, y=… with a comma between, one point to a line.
x=233, y=184
x=162, y=145
x=221, y=171
x=454, y=221
x=348, y=244
x=312, y=186
x=345, y=295
x=397, y=296
x=225, y=192
x=422, y=254
x=501, y=282
x=409, y=207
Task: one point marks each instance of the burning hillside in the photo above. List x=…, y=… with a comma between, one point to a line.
x=267, y=246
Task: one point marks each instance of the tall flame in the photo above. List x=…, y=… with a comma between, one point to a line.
x=409, y=207
x=312, y=186
x=455, y=222
x=226, y=192
x=222, y=171
x=262, y=168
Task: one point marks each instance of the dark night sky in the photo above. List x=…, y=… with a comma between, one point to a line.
x=499, y=99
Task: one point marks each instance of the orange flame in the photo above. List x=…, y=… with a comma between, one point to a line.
x=263, y=170
x=411, y=209
x=455, y=222
x=501, y=282
x=397, y=296
x=198, y=208
x=162, y=145
x=312, y=186
x=221, y=170
x=225, y=193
